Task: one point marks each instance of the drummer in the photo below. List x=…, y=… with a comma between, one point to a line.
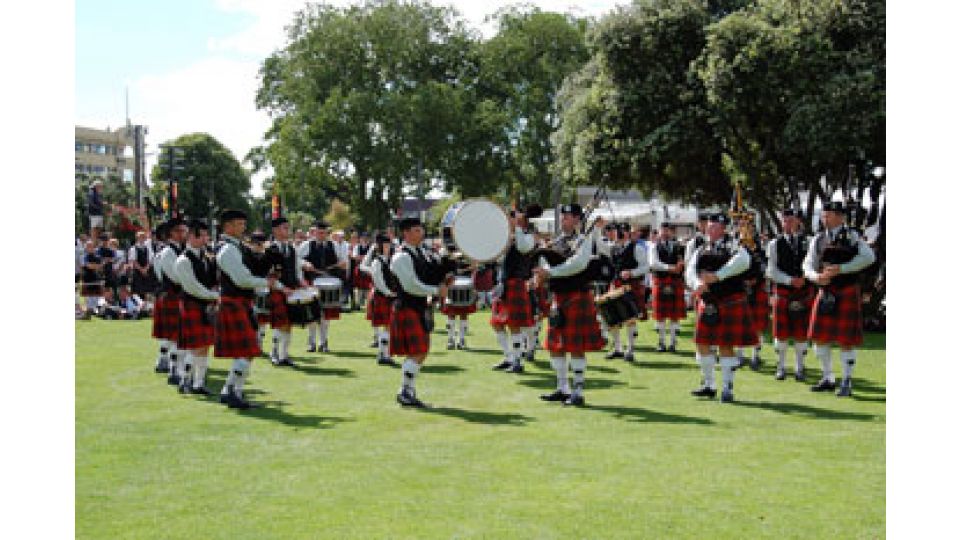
x=376, y=265
x=457, y=315
x=321, y=258
x=284, y=259
x=259, y=264
x=632, y=263
x=513, y=309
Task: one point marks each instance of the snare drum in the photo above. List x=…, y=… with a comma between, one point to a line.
x=461, y=292
x=328, y=291
x=618, y=306
x=261, y=301
x=477, y=228
x=300, y=306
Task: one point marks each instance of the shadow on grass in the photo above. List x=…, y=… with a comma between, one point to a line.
x=441, y=369
x=549, y=382
x=480, y=417
x=600, y=369
x=496, y=352
x=337, y=372
x=655, y=364
x=795, y=409
x=636, y=414
x=273, y=411
x=351, y=354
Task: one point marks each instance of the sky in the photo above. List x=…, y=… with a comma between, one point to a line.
x=191, y=65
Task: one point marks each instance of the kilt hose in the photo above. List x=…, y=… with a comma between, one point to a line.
x=513, y=308
x=195, y=332
x=457, y=311
x=407, y=334
x=639, y=291
x=278, y=316
x=735, y=327
x=759, y=308
x=795, y=327
x=236, y=335
x=378, y=309
x=845, y=326
x=668, y=306
x=580, y=331
x=166, y=316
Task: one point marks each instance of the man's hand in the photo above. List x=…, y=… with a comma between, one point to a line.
x=271, y=280
x=701, y=289
x=832, y=270
x=677, y=268
x=442, y=291
x=796, y=282
x=625, y=275
x=709, y=278
x=287, y=291
x=308, y=266
x=823, y=279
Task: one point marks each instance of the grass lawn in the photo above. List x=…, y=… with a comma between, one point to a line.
x=333, y=456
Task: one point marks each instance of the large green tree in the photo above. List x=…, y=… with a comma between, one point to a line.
x=211, y=180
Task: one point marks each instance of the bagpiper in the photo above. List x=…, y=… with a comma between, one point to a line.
x=792, y=293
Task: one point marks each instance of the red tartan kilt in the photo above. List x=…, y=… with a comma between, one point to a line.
x=845, y=326
x=166, y=317
x=451, y=311
x=361, y=280
x=735, y=328
x=513, y=309
x=331, y=314
x=378, y=310
x=407, y=336
x=673, y=308
x=236, y=336
x=543, y=302
x=263, y=318
x=785, y=327
x=278, y=316
x=639, y=291
x=194, y=332
x=581, y=331
x=484, y=281
x=760, y=310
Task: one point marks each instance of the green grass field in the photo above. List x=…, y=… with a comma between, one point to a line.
x=333, y=456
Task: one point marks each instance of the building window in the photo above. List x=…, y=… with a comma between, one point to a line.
x=101, y=149
x=78, y=167
x=79, y=146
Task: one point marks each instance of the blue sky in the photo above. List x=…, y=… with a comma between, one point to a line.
x=192, y=65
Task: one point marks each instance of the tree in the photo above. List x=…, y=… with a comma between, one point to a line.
x=212, y=179
x=115, y=192
x=339, y=215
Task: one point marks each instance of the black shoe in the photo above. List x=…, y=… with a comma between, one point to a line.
x=451, y=346
x=741, y=361
x=661, y=348
x=557, y=395
x=755, y=364
x=800, y=376
x=672, y=348
x=530, y=356
x=407, y=399
x=200, y=391
x=235, y=402
x=629, y=357
x=823, y=386
x=613, y=354
x=503, y=365
x=312, y=348
x=780, y=375
x=324, y=348
x=173, y=380
x=374, y=344
x=386, y=361
x=162, y=367
x=224, y=398
x=576, y=401
x=462, y=346
x=286, y=362
x=846, y=388
x=726, y=397
x=515, y=368
x=704, y=391
x=184, y=386
x=275, y=361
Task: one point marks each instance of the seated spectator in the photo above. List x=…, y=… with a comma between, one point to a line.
x=131, y=306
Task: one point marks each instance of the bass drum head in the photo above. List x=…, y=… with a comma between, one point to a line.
x=480, y=230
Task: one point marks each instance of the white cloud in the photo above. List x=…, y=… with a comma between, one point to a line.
x=216, y=93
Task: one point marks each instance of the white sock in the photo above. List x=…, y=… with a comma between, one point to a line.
x=674, y=328
x=199, y=370
x=531, y=339
x=324, y=331
x=383, y=341
x=823, y=353
x=504, y=345
x=631, y=337
x=604, y=329
x=579, y=368
x=463, y=330
x=312, y=334
x=261, y=332
x=186, y=363
x=781, y=348
x=410, y=370
x=236, y=377
x=801, y=351
x=848, y=359
x=662, y=331
x=164, y=355
x=756, y=352
x=175, y=355
x=707, y=364
x=727, y=365
x=450, y=331
x=284, y=345
x=616, y=338
x=516, y=355
x=559, y=364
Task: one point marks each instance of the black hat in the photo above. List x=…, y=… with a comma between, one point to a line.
x=175, y=222
x=382, y=238
x=703, y=216
x=320, y=224
x=161, y=229
x=667, y=225
x=258, y=237
x=791, y=212
x=720, y=218
x=834, y=206
x=611, y=227
x=230, y=215
x=195, y=225
x=279, y=221
x=103, y=237
x=572, y=208
x=407, y=223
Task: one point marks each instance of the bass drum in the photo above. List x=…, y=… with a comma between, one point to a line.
x=477, y=228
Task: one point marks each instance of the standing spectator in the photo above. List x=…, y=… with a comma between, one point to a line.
x=107, y=256
x=140, y=257
x=92, y=276
x=119, y=264
x=343, y=254
x=95, y=208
